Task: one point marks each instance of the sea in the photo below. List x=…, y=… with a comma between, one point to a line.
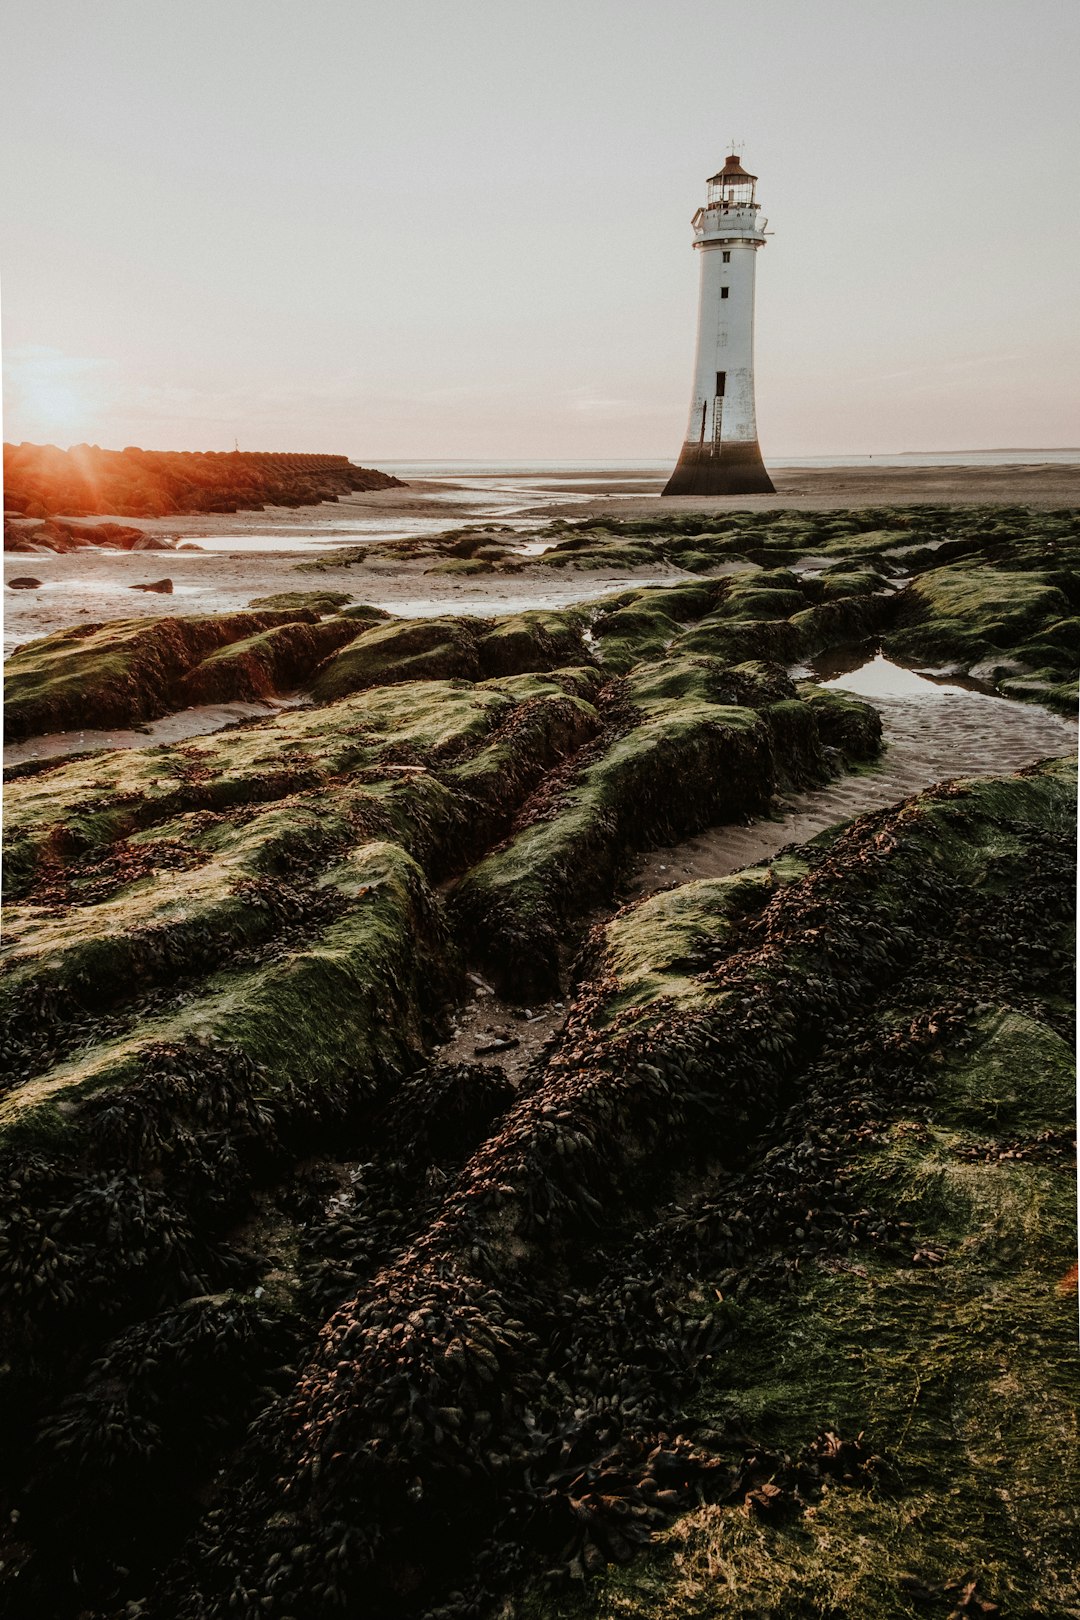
x=658, y=466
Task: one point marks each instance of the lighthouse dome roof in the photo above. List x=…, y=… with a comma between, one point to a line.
x=732, y=170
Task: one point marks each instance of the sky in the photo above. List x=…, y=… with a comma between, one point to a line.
x=438, y=229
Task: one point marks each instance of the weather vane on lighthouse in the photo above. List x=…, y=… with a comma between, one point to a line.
x=721, y=454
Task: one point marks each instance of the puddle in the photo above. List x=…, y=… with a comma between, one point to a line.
x=484, y=1020
x=198, y=721
x=533, y=548
x=878, y=677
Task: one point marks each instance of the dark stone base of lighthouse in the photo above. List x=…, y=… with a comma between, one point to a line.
x=726, y=469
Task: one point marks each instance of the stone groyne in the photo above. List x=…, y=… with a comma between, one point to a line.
x=85, y=481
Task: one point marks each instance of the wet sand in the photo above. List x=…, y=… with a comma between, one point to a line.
x=484, y=1019
x=249, y=554
x=823, y=489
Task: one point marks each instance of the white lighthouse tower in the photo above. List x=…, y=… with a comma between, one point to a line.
x=721, y=454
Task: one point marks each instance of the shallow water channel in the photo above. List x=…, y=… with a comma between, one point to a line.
x=936, y=725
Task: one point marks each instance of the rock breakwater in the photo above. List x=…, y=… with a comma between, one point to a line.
x=40, y=480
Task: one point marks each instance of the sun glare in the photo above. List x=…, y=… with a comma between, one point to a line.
x=50, y=395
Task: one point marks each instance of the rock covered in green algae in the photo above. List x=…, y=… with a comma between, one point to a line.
x=1003, y=605
x=568, y=1358
x=705, y=1018
x=1017, y=629
x=296, y=601
x=119, y=673
x=226, y=961
x=132, y=670
x=686, y=743
x=264, y=665
x=454, y=647
x=895, y=540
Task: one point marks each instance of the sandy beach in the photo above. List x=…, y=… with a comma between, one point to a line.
x=251, y=554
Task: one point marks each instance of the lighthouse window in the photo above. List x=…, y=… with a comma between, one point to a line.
x=724, y=291
x=721, y=379
x=726, y=256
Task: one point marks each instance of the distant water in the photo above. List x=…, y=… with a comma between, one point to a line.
x=654, y=467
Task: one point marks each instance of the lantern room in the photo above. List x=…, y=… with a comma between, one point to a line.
x=732, y=187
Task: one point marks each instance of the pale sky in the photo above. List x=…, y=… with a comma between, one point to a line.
x=461, y=228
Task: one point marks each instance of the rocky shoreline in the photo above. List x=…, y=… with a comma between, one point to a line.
x=744, y=1277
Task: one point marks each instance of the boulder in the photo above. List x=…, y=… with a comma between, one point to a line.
x=150, y=542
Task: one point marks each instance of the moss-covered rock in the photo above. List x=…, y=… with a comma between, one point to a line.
x=690, y=743
x=1010, y=625
x=956, y=1359
x=538, y=640
x=795, y=1169
x=297, y=601
x=264, y=665
x=120, y=673
x=733, y=1244
x=465, y=648
x=402, y=650
x=881, y=541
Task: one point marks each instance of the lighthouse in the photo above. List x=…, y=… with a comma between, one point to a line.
x=721, y=454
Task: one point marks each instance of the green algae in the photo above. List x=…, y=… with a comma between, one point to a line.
x=287, y=874
x=401, y=650
x=1017, y=1080
x=851, y=727
x=162, y=920
x=816, y=932
x=467, y=566
x=264, y=665
x=882, y=540
x=85, y=804
x=538, y=640
x=653, y=955
x=117, y=673
x=463, y=648
x=383, y=960
x=640, y=625
x=514, y=903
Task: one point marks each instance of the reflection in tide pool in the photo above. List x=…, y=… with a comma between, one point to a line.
x=938, y=726
x=879, y=677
